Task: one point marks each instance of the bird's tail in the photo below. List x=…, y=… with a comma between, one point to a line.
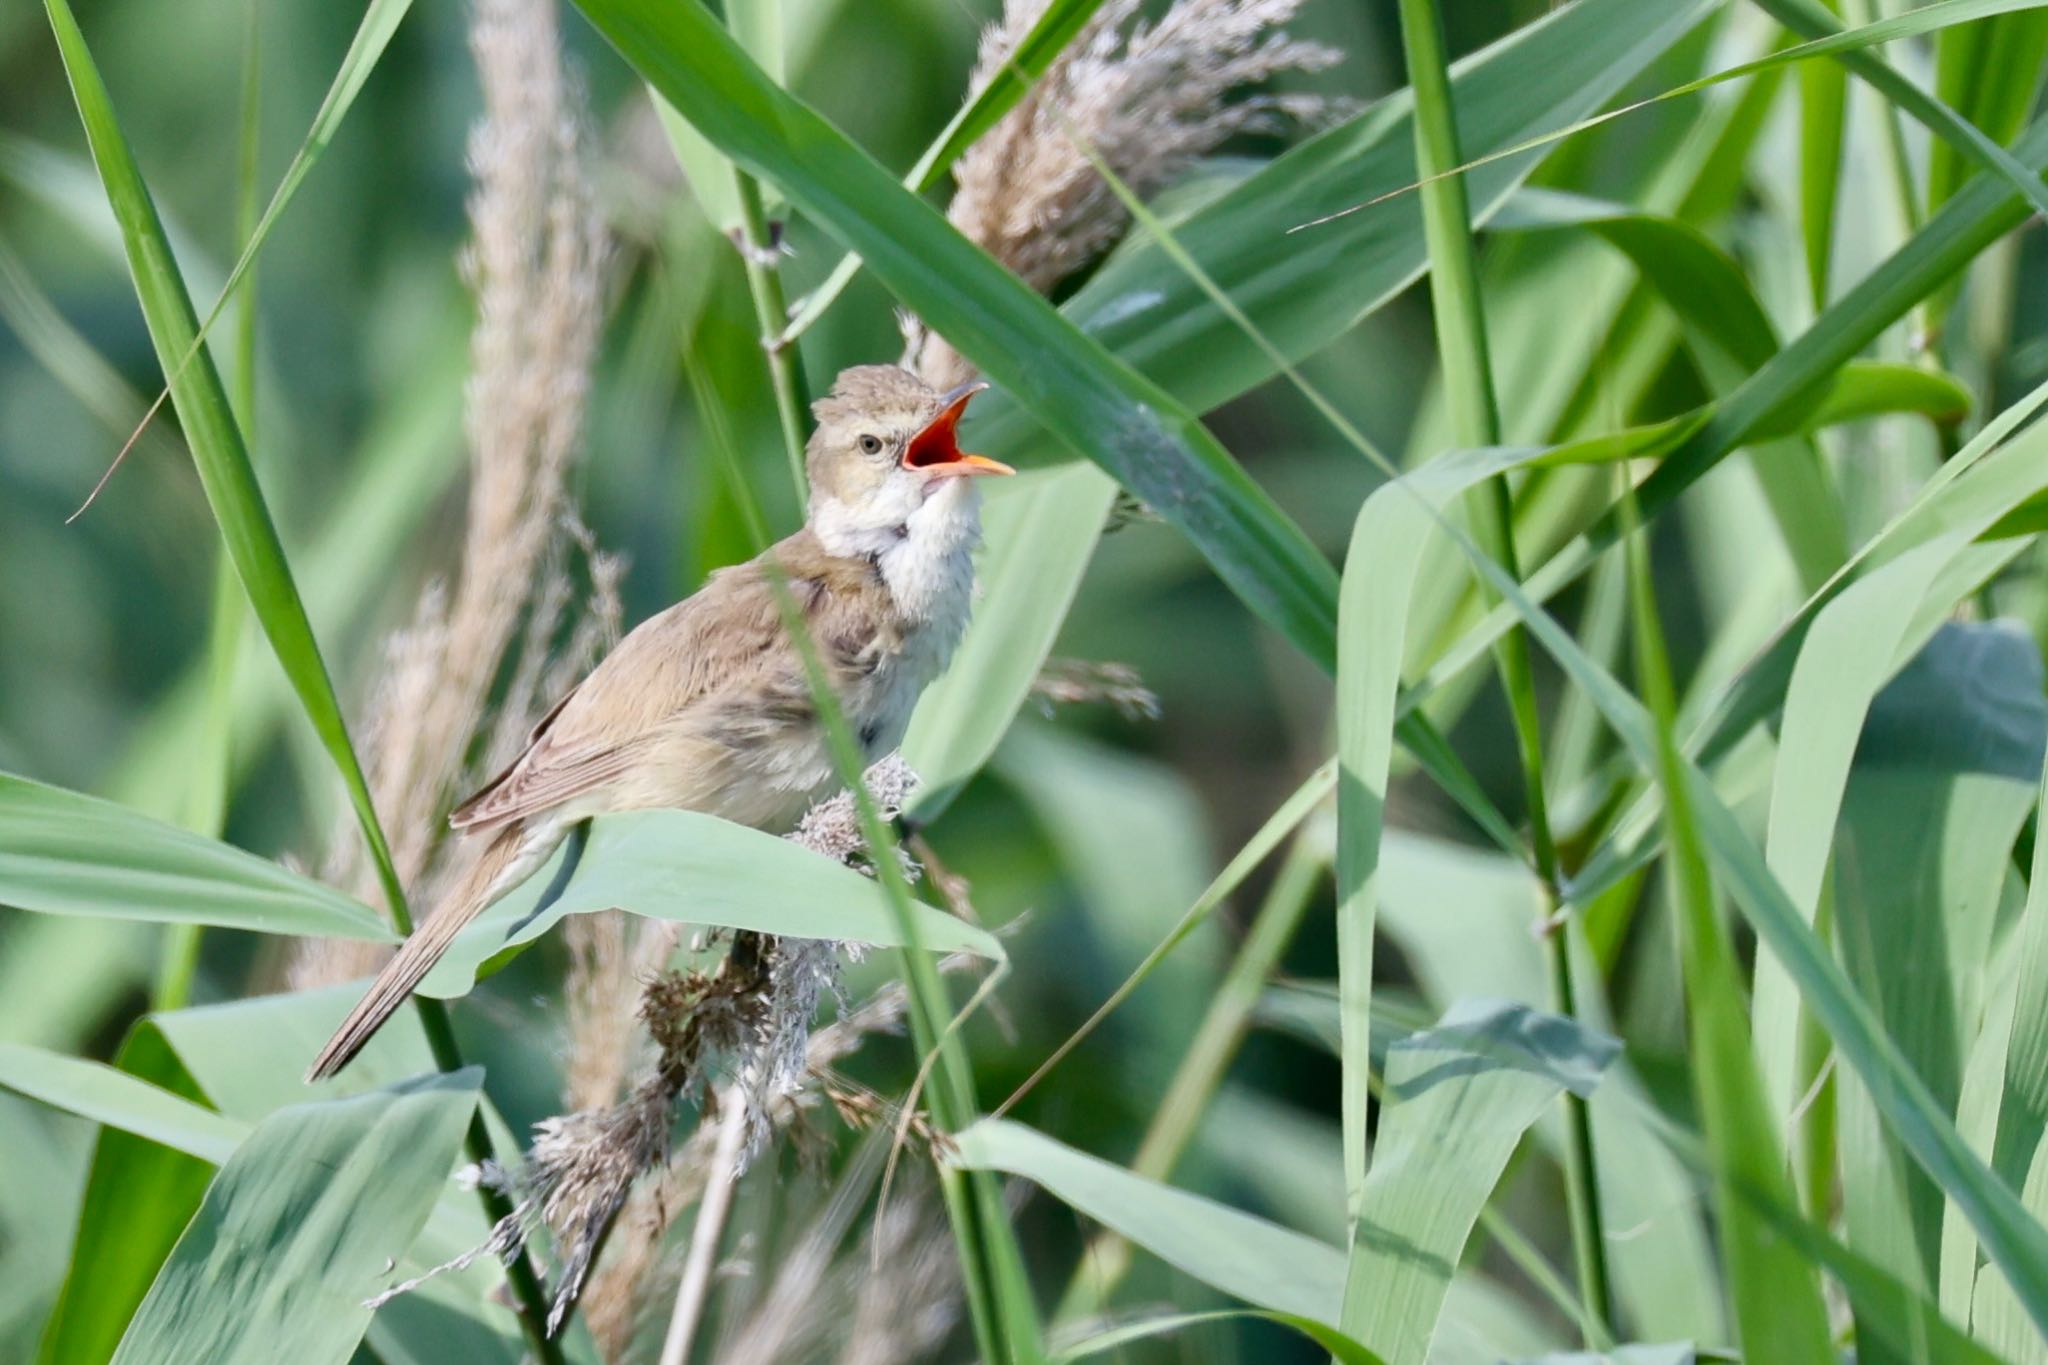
x=485, y=881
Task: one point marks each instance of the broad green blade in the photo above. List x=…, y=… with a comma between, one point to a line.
x=1945, y=773
x=1341, y=1348
x=63, y=853
x=210, y=429
x=1852, y=648
x=1040, y=529
x=1458, y=1098
x=1076, y=389
x=1460, y=917
x=696, y=869
x=1387, y=546
x=304, y=1222
x=138, y=1197
x=1247, y=1257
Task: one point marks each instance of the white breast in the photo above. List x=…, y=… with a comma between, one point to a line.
x=930, y=572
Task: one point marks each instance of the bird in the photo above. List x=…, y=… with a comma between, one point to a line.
x=707, y=706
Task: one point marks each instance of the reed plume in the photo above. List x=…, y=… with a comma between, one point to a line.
x=535, y=265
x=1146, y=98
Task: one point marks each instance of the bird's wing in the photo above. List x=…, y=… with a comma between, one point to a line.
x=727, y=640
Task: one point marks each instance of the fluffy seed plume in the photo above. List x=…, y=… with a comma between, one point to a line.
x=1076, y=682
x=535, y=265
x=1148, y=99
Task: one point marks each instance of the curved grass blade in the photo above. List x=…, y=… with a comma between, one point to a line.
x=106, y=1095
x=1247, y=1257
x=1945, y=775
x=63, y=853
x=1851, y=649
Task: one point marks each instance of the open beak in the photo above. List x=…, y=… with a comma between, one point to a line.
x=936, y=450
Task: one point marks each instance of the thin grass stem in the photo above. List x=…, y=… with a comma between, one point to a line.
x=759, y=253
x=1468, y=379
x=695, y=1286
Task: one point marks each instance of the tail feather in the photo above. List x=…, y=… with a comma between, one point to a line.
x=483, y=884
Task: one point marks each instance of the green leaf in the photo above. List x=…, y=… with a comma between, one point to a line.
x=1247, y=1257
x=1082, y=395
x=1459, y=1097
x=138, y=1197
x=302, y=1225
x=1853, y=646
x=63, y=853
x=1387, y=544
x=696, y=869
x=210, y=429
x=1341, y=1348
x=1876, y=388
x=1041, y=529
x=98, y=1092
x=1945, y=773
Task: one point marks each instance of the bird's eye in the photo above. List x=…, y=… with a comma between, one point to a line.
x=871, y=445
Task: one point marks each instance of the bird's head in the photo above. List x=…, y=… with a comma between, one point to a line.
x=885, y=448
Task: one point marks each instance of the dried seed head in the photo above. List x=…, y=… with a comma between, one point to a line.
x=1146, y=99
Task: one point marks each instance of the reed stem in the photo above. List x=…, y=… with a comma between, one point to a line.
x=1468, y=380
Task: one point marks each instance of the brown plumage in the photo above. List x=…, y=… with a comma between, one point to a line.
x=706, y=706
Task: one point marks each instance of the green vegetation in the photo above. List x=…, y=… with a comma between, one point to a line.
x=1489, y=809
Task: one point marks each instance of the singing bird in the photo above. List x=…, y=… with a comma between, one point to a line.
x=707, y=706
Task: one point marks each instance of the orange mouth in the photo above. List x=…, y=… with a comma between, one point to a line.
x=936, y=449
